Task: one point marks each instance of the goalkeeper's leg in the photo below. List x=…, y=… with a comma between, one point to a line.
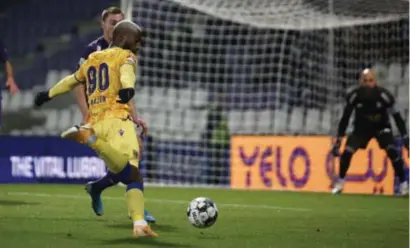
x=386, y=142
x=353, y=143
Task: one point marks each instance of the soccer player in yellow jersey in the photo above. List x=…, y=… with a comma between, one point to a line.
x=109, y=76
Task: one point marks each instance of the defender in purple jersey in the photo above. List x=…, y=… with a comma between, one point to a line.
x=109, y=18
x=8, y=68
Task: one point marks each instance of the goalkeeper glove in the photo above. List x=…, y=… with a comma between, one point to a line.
x=336, y=147
x=41, y=98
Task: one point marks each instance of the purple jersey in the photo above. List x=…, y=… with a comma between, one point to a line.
x=96, y=45
x=3, y=58
x=3, y=53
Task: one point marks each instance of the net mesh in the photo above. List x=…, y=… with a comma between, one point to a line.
x=210, y=69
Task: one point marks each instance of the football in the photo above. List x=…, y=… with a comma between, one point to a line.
x=202, y=212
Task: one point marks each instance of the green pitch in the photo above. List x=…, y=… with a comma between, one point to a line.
x=60, y=216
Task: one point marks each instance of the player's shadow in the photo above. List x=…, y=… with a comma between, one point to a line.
x=156, y=227
x=144, y=241
x=16, y=203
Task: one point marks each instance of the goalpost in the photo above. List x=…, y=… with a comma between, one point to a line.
x=258, y=66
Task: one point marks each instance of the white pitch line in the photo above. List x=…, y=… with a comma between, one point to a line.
x=159, y=201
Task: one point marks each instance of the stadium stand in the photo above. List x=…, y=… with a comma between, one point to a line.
x=167, y=105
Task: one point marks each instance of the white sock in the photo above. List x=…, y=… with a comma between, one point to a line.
x=140, y=223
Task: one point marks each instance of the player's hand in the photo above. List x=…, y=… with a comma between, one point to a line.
x=141, y=123
x=41, y=98
x=406, y=142
x=12, y=86
x=336, y=147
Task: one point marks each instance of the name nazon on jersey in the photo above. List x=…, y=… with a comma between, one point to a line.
x=98, y=100
x=57, y=167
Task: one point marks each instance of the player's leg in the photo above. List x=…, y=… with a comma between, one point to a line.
x=104, y=130
x=148, y=217
x=353, y=143
x=121, y=157
x=386, y=141
x=95, y=188
x=132, y=177
x=124, y=138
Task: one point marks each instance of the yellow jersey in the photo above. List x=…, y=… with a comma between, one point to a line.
x=101, y=74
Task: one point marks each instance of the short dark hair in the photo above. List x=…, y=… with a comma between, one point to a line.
x=111, y=11
x=127, y=35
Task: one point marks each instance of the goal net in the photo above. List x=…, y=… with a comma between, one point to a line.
x=213, y=68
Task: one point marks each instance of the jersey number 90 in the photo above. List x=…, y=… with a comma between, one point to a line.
x=98, y=78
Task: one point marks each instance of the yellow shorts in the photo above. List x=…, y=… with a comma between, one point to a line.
x=122, y=136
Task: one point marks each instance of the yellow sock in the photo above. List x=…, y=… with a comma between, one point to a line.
x=114, y=159
x=135, y=202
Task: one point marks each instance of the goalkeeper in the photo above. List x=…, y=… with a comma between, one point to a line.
x=109, y=77
x=109, y=18
x=372, y=105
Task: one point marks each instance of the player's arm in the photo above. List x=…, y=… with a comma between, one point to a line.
x=10, y=83
x=79, y=90
x=127, y=78
x=127, y=92
x=63, y=86
x=344, y=121
x=134, y=114
x=390, y=102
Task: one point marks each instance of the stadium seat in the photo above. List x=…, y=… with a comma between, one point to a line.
x=235, y=122
x=28, y=132
x=394, y=73
x=52, y=120
x=189, y=120
x=264, y=120
x=157, y=119
x=326, y=124
x=64, y=73
x=156, y=98
x=170, y=98
x=199, y=98
x=15, y=102
x=280, y=121
x=313, y=121
x=52, y=78
x=201, y=121
x=28, y=99
x=249, y=122
x=185, y=98
x=141, y=98
x=77, y=117
x=5, y=98
x=174, y=121
x=403, y=96
x=145, y=115
x=64, y=119
x=296, y=120
x=16, y=132
x=406, y=74
x=381, y=73
x=168, y=132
